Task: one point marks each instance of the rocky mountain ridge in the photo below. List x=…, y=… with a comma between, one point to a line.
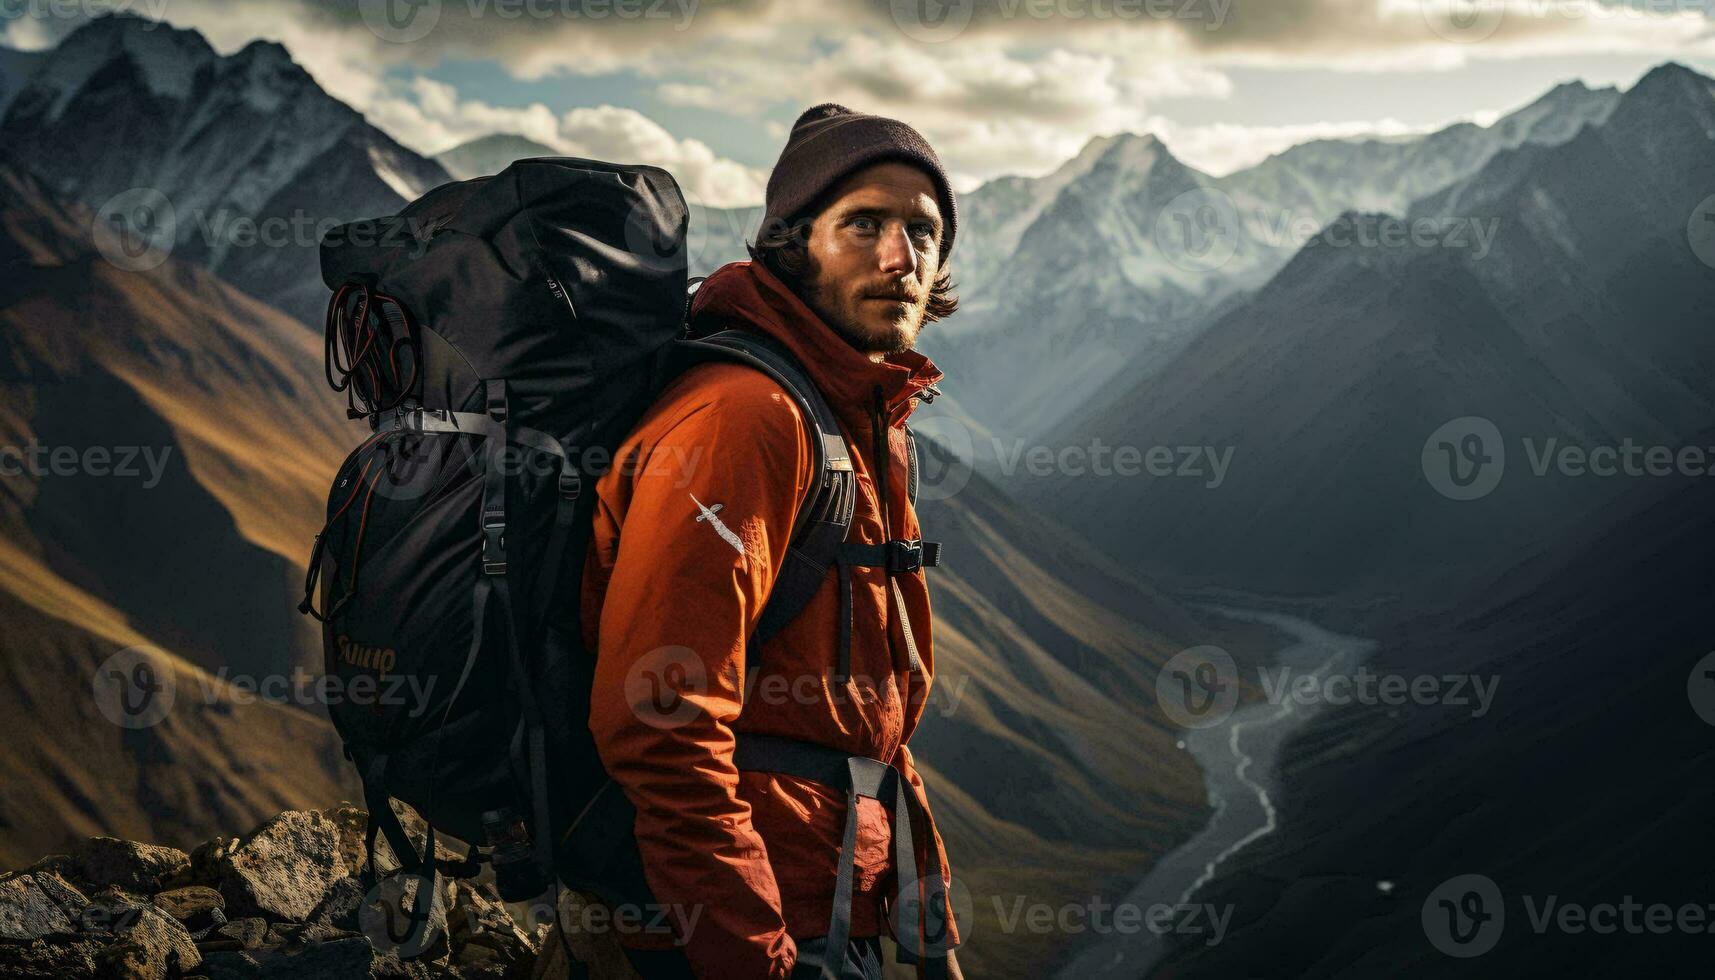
x=287, y=899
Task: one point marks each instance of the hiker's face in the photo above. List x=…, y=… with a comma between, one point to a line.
x=874, y=252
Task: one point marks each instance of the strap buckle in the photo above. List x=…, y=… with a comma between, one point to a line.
x=571, y=484
x=905, y=556
x=494, y=547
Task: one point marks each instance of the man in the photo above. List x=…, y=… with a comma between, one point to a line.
x=691, y=530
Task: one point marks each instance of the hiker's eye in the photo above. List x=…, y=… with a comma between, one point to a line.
x=922, y=231
x=865, y=224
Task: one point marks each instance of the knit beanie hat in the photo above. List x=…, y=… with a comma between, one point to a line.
x=829, y=143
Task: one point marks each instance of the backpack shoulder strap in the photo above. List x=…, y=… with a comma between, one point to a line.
x=821, y=523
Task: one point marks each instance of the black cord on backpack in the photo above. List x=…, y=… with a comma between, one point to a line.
x=371, y=341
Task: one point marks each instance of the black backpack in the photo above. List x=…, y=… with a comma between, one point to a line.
x=497, y=334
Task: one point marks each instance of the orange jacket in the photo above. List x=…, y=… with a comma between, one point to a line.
x=691, y=524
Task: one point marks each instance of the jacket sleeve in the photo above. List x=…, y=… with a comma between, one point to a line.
x=702, y=523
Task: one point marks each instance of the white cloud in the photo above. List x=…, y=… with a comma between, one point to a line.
x=1219, y=149
x=438, y=119
x=692, y=96
x=1011, y=94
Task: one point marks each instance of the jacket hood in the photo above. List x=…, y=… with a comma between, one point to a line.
x=746, y=294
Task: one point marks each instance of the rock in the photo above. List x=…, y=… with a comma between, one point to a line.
x=351, y=821
x=392, y=967
x=482, y=931
x=28, y=912
x=339, y=905
x=216, y=919
x=229, y=965
x=194, y=905
x=340, y=959
x=473, y=909
x=282, y=869
x=298, y=911
x=343, y=959
x=44, y=959
x=67, y=897
x=209, y=858
x=600, y=952
x=59, y=864
x=348, y=822
x=154, y=947
x=142, y=869
x=384, y=918
x=249, y=933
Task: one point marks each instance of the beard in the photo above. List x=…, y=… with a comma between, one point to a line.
x=847, y=311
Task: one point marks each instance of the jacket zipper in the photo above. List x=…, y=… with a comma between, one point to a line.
x=884, y=464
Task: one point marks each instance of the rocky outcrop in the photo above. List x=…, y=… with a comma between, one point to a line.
x=287, y=899
x=282, y=869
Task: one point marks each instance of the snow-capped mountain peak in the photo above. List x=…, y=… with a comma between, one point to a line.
x=166, y=59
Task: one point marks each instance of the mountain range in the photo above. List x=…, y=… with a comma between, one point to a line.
x=237, y=162
x=191, y=558
x=1584, y=322
x=491, y=154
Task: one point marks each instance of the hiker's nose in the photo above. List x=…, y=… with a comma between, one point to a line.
x=897, y=256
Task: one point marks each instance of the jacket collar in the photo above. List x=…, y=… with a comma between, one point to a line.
x=746, y=294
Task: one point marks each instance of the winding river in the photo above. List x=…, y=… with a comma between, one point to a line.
x=1239, y=760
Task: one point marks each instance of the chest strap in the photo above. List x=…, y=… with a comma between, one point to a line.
x=895, y=556
x=859, y=776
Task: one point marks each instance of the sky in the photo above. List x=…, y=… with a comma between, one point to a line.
x=709, y=88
